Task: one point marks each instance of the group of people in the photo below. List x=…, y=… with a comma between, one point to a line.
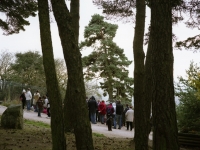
x=39, y=103
x=99, y=111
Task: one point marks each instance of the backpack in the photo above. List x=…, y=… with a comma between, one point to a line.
x=109, y=110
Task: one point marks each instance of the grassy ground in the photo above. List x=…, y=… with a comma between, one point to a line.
x=37, y=136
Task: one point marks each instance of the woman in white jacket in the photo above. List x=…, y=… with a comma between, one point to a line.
x=129, y=118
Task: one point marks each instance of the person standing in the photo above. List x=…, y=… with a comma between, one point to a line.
x=129, y=118
x=92, y=105
x=40, y=106
x=102, y=111
x=35, y=99
x=114, y=114
x=97, y=112
x=119, y=112
x=48, y=110
x=109, y=110
x=123, y=116
x=28, y=96
x=23, y=98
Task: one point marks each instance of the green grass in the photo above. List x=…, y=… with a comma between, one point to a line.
x=36, y=123
x=98, y=135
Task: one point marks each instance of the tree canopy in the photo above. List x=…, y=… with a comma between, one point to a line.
x=16, y=14
x=188, y=91
x=107, y=61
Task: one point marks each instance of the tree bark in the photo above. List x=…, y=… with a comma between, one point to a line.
x=75, y=99
x=57, y=125
x=164, y=115
x=141, y=142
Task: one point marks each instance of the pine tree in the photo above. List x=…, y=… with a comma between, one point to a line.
x=107, y=61
x=16, y=12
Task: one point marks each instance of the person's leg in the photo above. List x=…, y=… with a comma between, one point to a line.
x=23, y=104
x=92, y=116
x=114, y=121
x=48, y=112
x=102, y=119
x=27, y=104
x=127, y=125
x=97, y=115
x=120, y=121
x=131, y=127
x=39, y=112
x=117, y=121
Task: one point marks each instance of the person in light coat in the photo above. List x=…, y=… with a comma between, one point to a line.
x=28, y=96
x=129, y=118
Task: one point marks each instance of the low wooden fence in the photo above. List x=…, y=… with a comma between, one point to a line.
x=188, y=139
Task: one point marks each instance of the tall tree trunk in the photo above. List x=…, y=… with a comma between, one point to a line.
x=74, y=12
x=75, y=94
x=139, y=111
x=57, y=125
x=164, y=115
x=148, y=89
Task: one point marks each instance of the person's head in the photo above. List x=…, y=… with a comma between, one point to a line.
x=37, y=91
x=102, y=101
x=40, y=98
x=24, y=91
x=126, y=105
x=28, y=89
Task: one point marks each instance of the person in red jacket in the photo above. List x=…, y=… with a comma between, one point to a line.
x=102, y=111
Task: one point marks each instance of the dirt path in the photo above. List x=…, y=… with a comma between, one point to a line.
x=97, y=128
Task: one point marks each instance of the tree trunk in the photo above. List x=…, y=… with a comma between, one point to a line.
x=74, y=12
x=75, y=99
x=164, y=115
x=57, y=125
x=141, y=143
x=148, y=88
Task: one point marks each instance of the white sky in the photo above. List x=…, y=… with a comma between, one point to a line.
x=30, y=39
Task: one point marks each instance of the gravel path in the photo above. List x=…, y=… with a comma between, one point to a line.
x=97, y=128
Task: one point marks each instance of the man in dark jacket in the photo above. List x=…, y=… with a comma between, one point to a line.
x=92, y=105
x=119, y=112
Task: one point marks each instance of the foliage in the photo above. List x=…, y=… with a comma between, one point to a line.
x=8, y=103
x=117, y=9
x=192, y=8
x=6, y=58
x=28, y=69
x=107, y=61
x=16, y=12
x=61, y=71
x=92, y=89
x=188, y=110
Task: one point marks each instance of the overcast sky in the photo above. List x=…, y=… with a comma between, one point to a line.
x=30, y=39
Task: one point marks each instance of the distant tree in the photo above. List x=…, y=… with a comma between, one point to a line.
x=16, y=12
x=28, y=69
x=107, y=61
x=188, y=91
x=57, y=119
x=92, y=89
x=6, y=59
x=68, y=27
x=61, y=71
